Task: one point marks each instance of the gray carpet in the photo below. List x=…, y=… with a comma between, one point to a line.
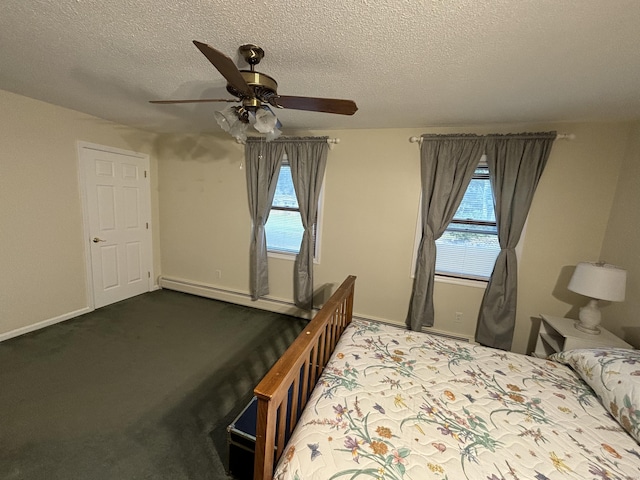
x=142, y=389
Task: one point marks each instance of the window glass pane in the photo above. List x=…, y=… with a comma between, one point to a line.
x=477, y=203
x=469, y=254
x=284, y=228
x=285, y=194
x=284, y=231
x=466, y=249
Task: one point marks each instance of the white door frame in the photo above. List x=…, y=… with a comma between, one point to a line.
x=81, y=145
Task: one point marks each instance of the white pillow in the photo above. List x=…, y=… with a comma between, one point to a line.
x=614, y=375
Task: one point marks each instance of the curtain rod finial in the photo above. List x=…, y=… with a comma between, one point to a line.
x=566, y=136
x=332, y=142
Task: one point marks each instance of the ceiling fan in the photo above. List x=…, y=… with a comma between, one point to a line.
x=257, y=91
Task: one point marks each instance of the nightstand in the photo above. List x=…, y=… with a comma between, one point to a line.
x=557, y=334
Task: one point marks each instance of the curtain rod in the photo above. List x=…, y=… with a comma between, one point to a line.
x=560, y=136
x=330, y=141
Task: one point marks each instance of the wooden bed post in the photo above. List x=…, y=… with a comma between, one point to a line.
x=285, y=389
x=265, y=440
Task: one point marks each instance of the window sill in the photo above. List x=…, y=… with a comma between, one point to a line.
x=467, y=282
x=287, y=256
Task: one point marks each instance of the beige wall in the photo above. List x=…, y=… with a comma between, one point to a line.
x=200, y=216
x=42, y=264
x=622, y=244
x=371, y=200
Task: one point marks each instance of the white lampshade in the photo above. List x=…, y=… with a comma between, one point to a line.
x=599, y=280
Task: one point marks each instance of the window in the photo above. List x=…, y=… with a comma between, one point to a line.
x=469, y=246
x=284, y=226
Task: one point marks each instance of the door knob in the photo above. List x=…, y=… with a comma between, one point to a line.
x=96, y=240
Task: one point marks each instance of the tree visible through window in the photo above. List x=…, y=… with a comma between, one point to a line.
x=469, y=245
x=284, y=227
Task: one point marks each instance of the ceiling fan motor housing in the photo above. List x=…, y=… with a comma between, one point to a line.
x=264, y=87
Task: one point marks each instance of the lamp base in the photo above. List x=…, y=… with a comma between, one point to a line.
x=589, y=318
x=590, y=331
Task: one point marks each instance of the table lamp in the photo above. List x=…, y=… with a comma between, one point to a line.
x=599, y=281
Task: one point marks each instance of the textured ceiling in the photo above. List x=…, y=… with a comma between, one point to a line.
x=406, y=63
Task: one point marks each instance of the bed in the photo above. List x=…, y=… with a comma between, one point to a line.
x=368, y=400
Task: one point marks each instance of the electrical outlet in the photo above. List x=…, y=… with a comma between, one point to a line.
x=458, y=317
x=219, y=273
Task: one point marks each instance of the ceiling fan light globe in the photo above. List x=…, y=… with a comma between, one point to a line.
x=241, y=138
x=252, y=118
x=239, y=130
x=222, y=121
x=226, y=118
x=265, y=121
x=273, y=134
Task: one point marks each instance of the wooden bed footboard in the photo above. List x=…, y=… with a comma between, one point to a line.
x=283, y=392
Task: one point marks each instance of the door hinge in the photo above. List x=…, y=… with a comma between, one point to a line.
x=147, y=225
x=148, y=274
x=145, y=174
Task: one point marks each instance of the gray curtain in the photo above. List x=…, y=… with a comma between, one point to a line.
x=515, y=163
x=308, y=159
x=447, y=163
x=263, y=162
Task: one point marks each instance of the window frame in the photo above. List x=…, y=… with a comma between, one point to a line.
x=284, y=255
x=467, y=281
x=453, y=278
x=468, y=221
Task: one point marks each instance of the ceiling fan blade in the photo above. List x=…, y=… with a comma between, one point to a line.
x=327, y=105
x=203, y=100
x=226, y=67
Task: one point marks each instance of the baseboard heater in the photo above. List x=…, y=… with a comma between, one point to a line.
x=450, y=336
x=274, y=304
x=271, y=304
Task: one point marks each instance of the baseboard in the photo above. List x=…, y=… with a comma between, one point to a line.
x=45, y=323
x=277, y=305
x=52, y=321
x=271, y=304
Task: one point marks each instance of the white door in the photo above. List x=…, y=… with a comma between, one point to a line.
x=118, y=210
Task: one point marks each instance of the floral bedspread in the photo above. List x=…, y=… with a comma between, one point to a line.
x=395, y=404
